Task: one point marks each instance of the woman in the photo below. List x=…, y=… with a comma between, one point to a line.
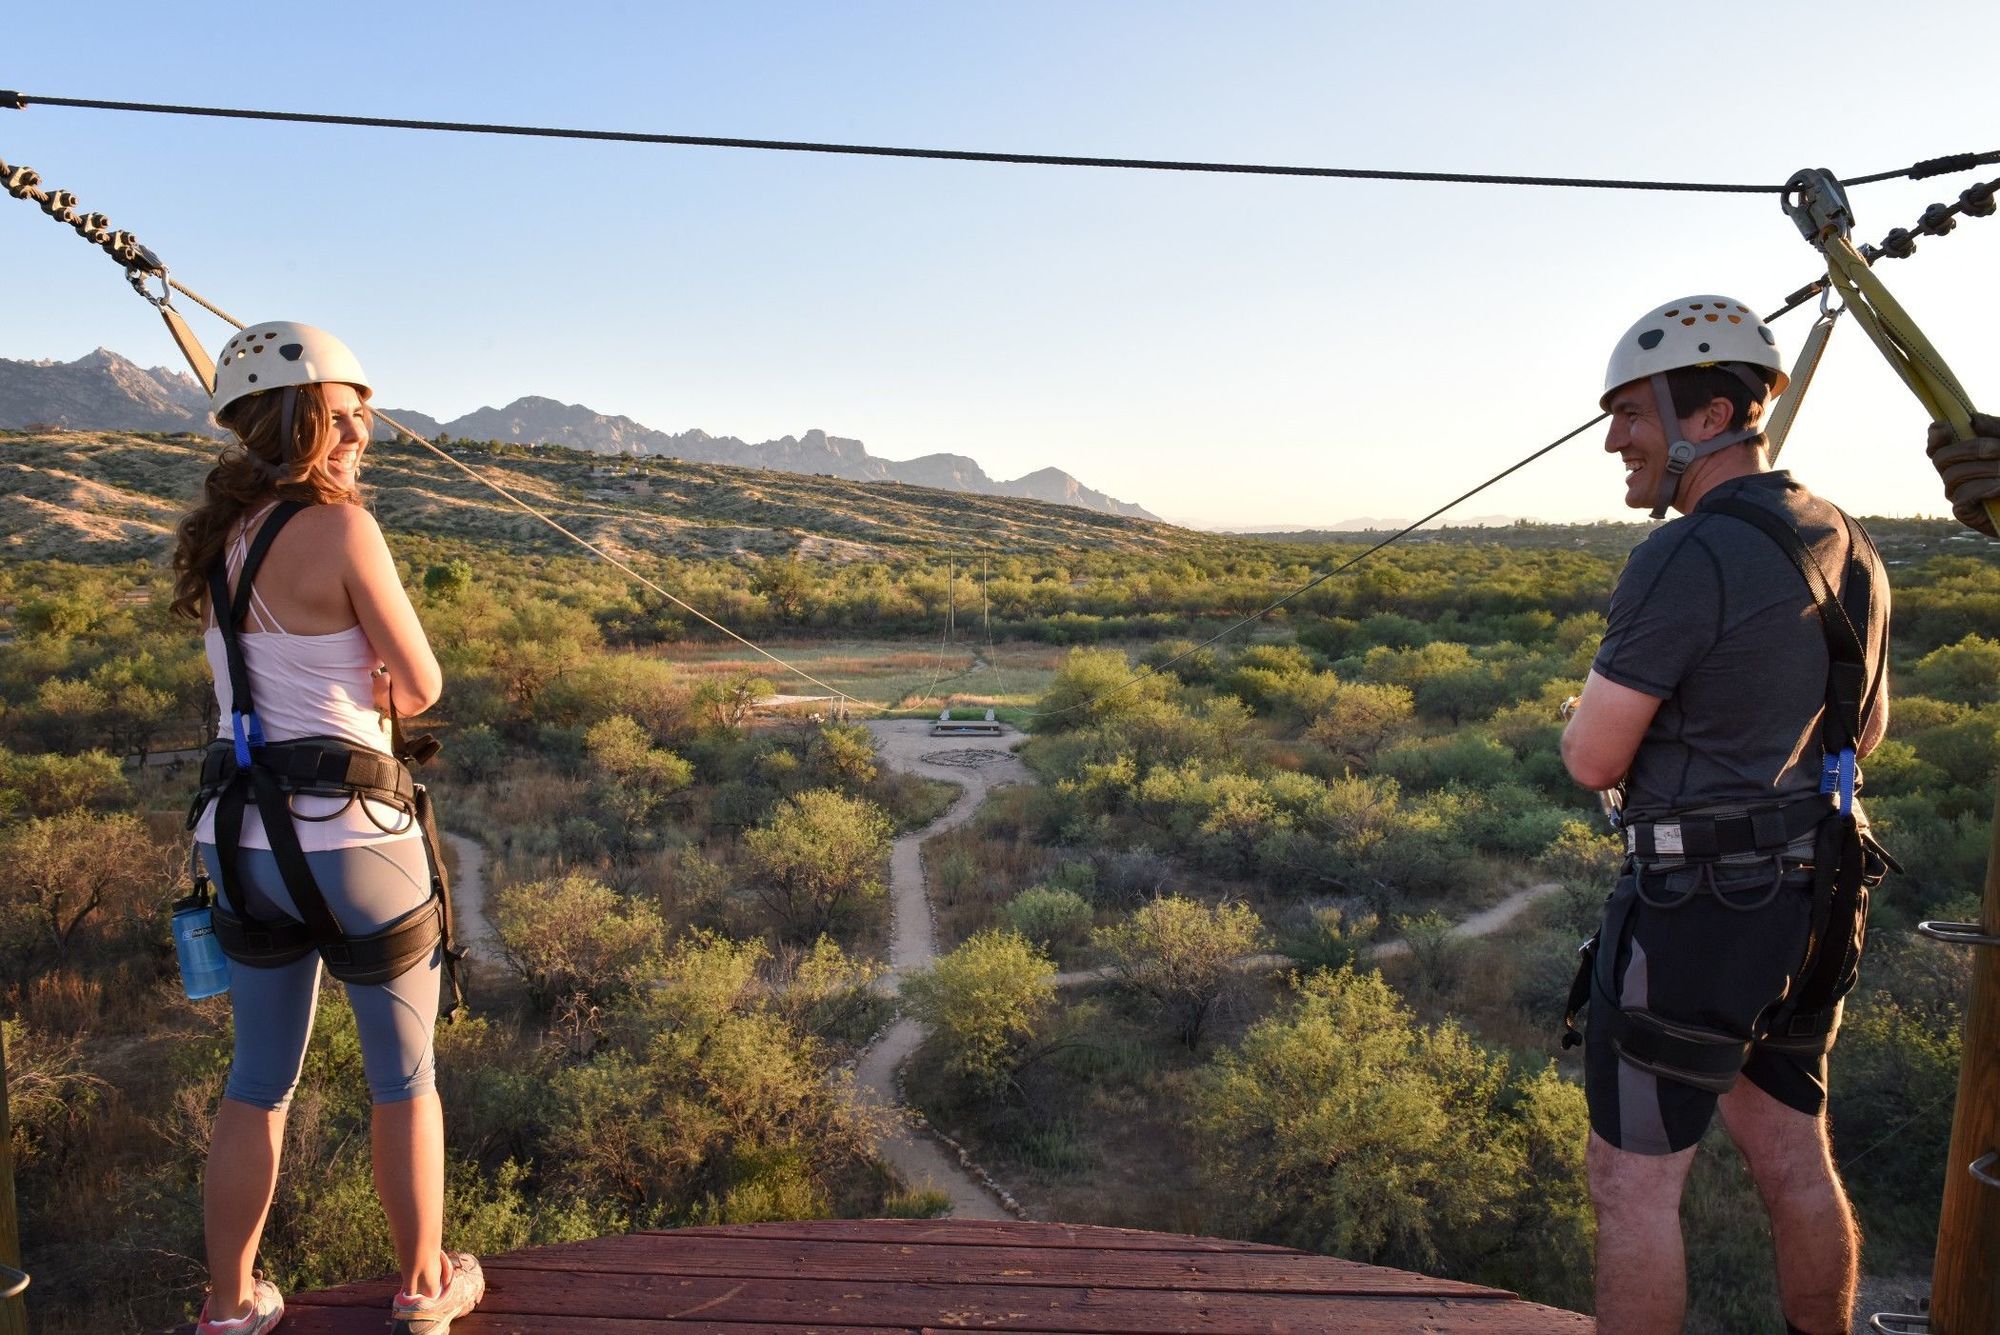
x=330, y=645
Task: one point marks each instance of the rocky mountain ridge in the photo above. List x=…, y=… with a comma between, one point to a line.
x=104, y=392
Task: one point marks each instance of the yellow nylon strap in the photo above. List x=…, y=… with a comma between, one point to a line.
x=1901, y=342
x=191, y=348
x=1787, y=411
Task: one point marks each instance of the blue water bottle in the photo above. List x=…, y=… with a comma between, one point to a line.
x=204, y=968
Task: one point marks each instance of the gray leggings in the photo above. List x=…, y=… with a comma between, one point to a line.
x=366, y=888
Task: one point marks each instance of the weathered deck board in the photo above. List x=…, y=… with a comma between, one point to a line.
x=903, y=1277
x=912, y=1261
x=948, y=1232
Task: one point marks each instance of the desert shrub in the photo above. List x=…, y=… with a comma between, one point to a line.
x=477, y=753
x=1360, y=718
x=71, y=869
x=820, y=856
x=825, y=992
x=1092, y=686
x=1050, y=917
x=571, y=935
x=1471, y=759
x=1326, y=936
x=51, y=1093
x=636, y=777
x=46, y=784
x=984, y=1003
x=1963, y=673
x=1183, y=955
x=1435, y=948
x=1340, y=1125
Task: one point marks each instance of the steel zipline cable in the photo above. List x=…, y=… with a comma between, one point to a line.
x=1977, y=201
x=142, y=266
x=18, y=101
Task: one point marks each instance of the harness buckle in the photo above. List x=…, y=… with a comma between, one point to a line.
x=1816, y=202
x=1836, y=778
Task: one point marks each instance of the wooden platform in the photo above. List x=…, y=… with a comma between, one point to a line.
x=902, y=1277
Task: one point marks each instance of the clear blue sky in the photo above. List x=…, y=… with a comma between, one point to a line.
x=1222, y=350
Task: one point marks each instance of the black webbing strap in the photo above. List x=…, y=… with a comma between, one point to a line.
x=1848, y=690
x=254, y=780
x=1838, y=854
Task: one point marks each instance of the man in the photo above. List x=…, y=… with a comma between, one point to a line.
x=1717, y=974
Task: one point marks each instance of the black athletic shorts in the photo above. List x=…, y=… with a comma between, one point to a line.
x=1696, y=948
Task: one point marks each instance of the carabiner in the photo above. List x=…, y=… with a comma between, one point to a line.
x=137, y=276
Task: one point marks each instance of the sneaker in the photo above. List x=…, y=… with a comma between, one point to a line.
x=464, y=1286
x=267, y=1309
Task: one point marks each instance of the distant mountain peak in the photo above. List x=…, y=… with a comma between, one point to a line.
x=103, y=391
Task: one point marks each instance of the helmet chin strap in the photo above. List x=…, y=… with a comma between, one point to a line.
x=1680, y=453
x=288, y=421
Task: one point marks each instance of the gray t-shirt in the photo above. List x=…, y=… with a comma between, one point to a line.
x=1711, y=616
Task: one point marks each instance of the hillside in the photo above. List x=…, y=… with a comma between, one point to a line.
x=105, y=392
x=113, y=496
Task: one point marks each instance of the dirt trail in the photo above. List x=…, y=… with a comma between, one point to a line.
x=1483, y=923
x=469, y=922
x=977, y=765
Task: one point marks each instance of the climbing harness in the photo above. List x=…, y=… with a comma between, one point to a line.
x=1846, y=860
x=246, y=767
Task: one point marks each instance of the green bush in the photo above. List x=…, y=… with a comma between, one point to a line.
x=573, y=935
x=1049, y=917
x=1182, y=954
x=984, y=1003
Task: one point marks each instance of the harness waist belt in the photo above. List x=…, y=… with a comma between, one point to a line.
x=1769, y=829
x=317, y=766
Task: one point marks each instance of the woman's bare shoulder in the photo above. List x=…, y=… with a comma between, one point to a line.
x=338, y=524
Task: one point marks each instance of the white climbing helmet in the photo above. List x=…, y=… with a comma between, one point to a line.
x=280, y=353
x=1694, y=331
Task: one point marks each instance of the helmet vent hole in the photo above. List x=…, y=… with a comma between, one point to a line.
x=258, y=348
x=291, y=351
x=1768, y=337
x=1687, y=319
x=1711, y=317
x=1651, y=338
x=1736, y=319
x=1704, y=347
x=1672, y=313
x=1694, y=305
x=253, y=377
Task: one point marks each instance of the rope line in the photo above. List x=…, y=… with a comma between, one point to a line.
x=1324, y=576
x=1792, y=303
x=617, y=564
x=20, y=101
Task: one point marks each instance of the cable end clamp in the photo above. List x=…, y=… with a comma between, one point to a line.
x=1815, y=200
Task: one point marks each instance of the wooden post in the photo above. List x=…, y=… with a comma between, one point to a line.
x=1965, y=1282
x=13, y=1311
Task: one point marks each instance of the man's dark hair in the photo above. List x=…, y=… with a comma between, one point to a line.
x=1694, y=387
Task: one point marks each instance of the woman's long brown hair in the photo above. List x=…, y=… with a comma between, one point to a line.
x=255, y=469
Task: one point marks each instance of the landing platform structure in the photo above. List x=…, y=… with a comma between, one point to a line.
x=913, y=1277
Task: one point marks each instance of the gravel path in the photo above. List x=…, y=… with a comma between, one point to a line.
x=469, y=922
x=977, y=765
x=1483, y=923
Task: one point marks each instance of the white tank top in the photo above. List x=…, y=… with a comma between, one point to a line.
x=304, y=686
